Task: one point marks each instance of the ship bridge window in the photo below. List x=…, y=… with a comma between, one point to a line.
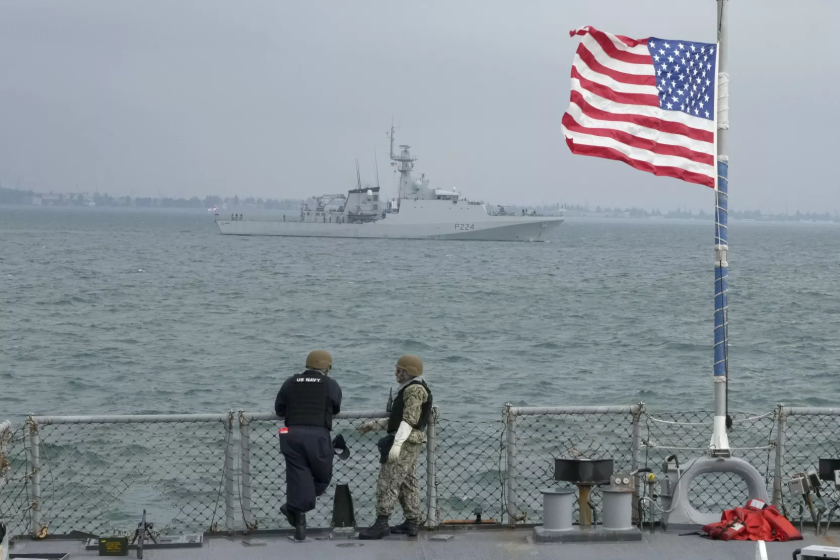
x=375, y=197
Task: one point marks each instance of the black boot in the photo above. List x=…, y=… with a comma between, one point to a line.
x=407, y=527
x=300, y=526
x=290, y=517
x=377, y=530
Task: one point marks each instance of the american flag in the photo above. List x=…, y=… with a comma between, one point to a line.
x=649, y=103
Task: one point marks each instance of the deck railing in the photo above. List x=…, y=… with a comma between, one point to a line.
x=221, y=473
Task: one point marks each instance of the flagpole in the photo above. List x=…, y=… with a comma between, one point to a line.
x=720, y=439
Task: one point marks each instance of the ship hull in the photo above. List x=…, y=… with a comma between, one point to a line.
x=522, y=229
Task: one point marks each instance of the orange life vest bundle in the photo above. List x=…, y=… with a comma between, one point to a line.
x=757, y=521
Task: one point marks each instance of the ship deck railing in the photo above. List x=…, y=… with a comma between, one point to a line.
x=224, y=473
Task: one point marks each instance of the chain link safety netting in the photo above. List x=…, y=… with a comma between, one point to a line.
x=98, y=477
x=468, y=473
x=470, y=477
x=542, y=438
x=686, y=435
x=360, y=471
x=14, y=501
x=807, y=439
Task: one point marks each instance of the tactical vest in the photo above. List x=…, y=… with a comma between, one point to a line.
x=308, y=401
x=399, y=405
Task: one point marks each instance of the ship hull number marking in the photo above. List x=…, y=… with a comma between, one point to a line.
x=464, y=227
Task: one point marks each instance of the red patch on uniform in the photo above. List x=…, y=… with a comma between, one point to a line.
x=284, y=430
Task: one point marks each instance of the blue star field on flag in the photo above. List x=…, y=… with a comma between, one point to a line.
x=686, y=76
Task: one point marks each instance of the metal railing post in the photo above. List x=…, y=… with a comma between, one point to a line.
x=35, y=486
x=245, y=469
x=781, y=425
x=5, y=434
x=230, y=497
x=510, y=478
x=634, y=460
x=431, y=473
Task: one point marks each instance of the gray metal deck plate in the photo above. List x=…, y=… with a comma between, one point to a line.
x=582, y=535
x=474, y=544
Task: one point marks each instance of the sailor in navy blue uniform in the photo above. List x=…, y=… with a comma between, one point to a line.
x=307, y=402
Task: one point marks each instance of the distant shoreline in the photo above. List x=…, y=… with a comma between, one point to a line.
x=251, y=206
x=704, y=220
x=571, y=216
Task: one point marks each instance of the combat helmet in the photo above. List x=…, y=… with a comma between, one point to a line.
x=412, y=364
x=319, y=359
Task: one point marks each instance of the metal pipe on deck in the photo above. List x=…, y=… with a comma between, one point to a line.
x=5, y=426
x=265, y=416
x=809, y=411
x=535, y=410
x=35, y=486
x=230, y=496
x=431, y=473
x=510, y=434
x=129, y=419
x=634, y=459
x=245, y=470
x=781, y=426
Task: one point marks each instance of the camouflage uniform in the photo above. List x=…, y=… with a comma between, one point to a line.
x=397, y=480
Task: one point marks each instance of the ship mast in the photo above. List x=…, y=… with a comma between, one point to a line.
x=376, y=166
x=406, y=163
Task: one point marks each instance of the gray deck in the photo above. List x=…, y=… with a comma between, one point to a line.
x=465, y=544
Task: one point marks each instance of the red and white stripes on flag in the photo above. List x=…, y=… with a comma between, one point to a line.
x=616, y=111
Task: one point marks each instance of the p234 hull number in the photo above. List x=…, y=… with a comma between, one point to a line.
x=464, y=227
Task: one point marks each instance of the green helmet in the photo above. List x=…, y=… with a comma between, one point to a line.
x=412, y=364
x=319, y=359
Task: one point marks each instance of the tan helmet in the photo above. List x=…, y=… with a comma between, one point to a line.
x=319, y=359
x=412, y=364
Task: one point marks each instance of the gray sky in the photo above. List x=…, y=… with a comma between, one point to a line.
x=277, y=98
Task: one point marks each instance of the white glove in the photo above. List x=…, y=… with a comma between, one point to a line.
x=400, y=437
x=373, y=426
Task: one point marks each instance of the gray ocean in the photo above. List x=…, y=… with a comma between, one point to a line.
x=107, y=311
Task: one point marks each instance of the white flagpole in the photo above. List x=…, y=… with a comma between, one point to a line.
x=720, y=439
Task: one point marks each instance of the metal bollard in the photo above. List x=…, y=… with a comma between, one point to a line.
x=618, y=509
x=558, y=506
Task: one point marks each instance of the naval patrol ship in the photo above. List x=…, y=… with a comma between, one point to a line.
x=419, y=212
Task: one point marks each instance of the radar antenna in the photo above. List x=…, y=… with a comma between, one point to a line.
x=394, y=157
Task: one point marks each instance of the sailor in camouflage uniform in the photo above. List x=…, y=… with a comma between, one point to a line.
x=410, y=413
